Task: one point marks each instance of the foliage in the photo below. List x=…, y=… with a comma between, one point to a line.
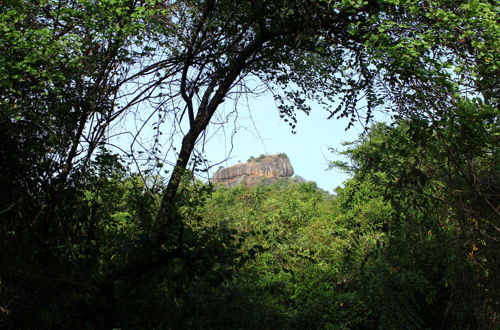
x=79, y=282
x=439, y=181
x=402, y=245
x=256, y=159
x=86, y=242
x=290, y=222
x=282, y=155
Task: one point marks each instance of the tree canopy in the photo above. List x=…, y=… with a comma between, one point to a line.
x=105, y=106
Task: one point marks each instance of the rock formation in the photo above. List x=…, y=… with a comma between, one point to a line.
x=265, y=169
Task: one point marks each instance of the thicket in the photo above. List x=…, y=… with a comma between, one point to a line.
x=105, y=107
x=410, y=241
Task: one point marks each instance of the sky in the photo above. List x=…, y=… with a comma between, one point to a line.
x=259, y=130
x=239, y=130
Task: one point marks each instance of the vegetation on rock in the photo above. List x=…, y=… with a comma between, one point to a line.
x=265, y=169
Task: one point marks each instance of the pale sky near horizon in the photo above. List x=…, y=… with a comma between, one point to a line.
x=257, y=129
x=261, y=131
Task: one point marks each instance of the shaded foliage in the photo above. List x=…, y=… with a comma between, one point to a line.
x=85, y=242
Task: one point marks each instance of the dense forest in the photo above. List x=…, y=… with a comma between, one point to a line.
x=107, y=222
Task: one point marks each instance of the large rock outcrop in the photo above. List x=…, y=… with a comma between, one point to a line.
x=266, y=169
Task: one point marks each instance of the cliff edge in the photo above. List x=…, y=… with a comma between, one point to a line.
x=265, y=169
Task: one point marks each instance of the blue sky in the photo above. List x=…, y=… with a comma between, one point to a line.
x=252, y=127
x=259, y=130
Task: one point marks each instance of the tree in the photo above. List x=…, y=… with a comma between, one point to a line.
x=396, y=52
x=74, y=69
x=438, y=184
x=61, y=70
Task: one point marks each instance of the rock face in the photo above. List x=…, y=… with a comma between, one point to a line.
x=266, y=169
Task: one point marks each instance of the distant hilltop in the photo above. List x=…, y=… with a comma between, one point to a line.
x=264, y=169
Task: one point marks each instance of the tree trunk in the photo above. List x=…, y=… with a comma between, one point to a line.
x=168, y=221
